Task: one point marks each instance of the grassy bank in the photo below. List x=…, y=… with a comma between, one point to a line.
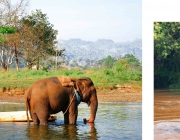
x=102, y=78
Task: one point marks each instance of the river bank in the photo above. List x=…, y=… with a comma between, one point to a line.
x=127, y=94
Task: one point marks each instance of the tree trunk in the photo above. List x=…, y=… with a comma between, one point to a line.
x=30, y=66
x=15, y=51
x=7, y=66
x=37, y=64
x=17, y=66
x=3, y=66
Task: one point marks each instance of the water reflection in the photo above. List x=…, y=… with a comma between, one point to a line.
x=54, y=131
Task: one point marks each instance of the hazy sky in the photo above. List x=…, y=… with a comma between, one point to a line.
x=119, y=20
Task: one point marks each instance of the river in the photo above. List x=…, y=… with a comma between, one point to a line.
x=113, y=121
x=167, y=114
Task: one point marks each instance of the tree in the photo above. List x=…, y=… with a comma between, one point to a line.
x=14, y=40
x=109, y=61
x=9, y=18
x=132, y=61
x=38, y=37
x=166, y=53
x=11, y=13
x=7, y=52
x=57, y=57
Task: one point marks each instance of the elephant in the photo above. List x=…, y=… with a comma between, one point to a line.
x=52, y=95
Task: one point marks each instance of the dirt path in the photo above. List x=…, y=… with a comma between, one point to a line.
x=118, y=95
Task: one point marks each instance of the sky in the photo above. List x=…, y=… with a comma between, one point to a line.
x=118, y=20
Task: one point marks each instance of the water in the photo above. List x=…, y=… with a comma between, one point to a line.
x=166, y=104
x=113, y=121
x=167, y=114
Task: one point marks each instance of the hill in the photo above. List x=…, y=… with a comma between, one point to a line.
x=77, y=49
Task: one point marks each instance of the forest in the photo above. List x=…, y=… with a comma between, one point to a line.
x=166, y=54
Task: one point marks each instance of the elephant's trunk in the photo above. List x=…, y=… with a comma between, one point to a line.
x=93, y=107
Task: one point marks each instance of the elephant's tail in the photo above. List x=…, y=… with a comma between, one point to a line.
x=27, y=109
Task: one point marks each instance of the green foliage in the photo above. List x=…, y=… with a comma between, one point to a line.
x=2, y=39
x=40, y=38
x=68, y=73
x=108, y=72
x=109, y=62
x=123, y=71
x=6, y=30
x=120, y=66
x=45, y=69
x=131, y=59
x=166, y=53
x=102, y=78
x=166, y=38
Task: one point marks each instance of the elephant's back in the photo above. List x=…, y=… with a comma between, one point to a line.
x=58, y=95
x=52, y=90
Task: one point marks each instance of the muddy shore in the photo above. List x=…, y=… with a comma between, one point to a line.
x=115, y=95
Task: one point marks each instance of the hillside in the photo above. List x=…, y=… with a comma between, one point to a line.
x=77, y=49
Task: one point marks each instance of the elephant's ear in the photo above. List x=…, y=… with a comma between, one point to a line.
x=76, y=83
x=79, y=85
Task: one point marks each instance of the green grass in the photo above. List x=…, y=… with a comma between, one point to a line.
x=102, y=78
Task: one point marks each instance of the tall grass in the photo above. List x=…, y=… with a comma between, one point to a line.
x=101, y=78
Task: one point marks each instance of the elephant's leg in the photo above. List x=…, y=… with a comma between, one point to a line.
x=44, y=121
x=70, y=116
x=40, y=108
x=73, y=112
x=35, y=118
x=66, y=118
x=43, y=115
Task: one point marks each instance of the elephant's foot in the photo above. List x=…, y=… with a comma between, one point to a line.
x=88, y=121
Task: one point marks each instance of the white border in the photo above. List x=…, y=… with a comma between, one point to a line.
x=153, y=11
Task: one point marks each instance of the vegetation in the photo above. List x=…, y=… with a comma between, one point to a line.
x=27, y=36
x=6, y=30
x=166, y=54
x=109, y=62
x=125, y=71
x=10, y=15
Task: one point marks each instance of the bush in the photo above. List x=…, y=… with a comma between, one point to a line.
x=108, y=72
x=45, y=69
